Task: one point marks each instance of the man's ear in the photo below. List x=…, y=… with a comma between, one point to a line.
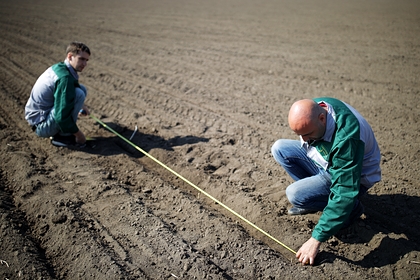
x=323, y=117
x=69, y=55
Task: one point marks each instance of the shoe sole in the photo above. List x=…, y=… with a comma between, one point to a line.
x=58, y=144
x=302, y=212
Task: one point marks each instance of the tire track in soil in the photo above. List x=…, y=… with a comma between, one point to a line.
x=180, y=210
x=17, y=240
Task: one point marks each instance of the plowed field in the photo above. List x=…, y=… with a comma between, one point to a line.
x=208, y=85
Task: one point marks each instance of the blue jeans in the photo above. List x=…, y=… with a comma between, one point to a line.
x=311, y=188
x=49, y=127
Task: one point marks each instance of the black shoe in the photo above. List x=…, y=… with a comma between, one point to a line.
x=300, y=211
x=63, y=141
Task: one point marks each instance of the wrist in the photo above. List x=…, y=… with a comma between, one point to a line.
x=315, y=241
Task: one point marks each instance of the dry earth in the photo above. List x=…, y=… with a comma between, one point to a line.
x=209, y=84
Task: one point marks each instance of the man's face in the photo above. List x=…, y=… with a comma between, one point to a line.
x=312, y=130
x=78, y=61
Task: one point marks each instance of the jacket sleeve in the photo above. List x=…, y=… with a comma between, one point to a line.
x=64, y=100
x=346, y=168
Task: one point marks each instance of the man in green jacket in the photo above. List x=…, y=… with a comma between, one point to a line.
x=335, y=162
x=57, y=99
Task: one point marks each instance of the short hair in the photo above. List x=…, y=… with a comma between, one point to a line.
x=76, y=47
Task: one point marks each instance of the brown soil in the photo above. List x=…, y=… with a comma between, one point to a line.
x=209, y=84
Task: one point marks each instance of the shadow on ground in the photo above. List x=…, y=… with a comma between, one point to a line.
x=383, y=228
x=138, y=144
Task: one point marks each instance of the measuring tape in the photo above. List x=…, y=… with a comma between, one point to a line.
x=191, y=184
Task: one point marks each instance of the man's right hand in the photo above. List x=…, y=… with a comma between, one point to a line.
x=80, y=137
x=308, y=251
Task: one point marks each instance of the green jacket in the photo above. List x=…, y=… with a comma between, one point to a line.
x=55, y=88
x=351, y=154
x=64, y=96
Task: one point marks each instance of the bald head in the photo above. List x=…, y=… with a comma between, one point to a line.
x=306, y=117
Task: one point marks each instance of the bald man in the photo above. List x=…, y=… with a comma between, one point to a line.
x=335, y=162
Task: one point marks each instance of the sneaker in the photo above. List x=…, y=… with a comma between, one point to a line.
x=300, y=211
x=63, y=141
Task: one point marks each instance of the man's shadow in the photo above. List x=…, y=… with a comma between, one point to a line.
x=139, y=142
x=391, y=228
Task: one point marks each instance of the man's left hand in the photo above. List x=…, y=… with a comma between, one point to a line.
x=84, y=111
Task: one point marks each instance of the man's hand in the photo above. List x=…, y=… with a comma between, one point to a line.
x=84, y=111
x=308, y=251
x=80, y=137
